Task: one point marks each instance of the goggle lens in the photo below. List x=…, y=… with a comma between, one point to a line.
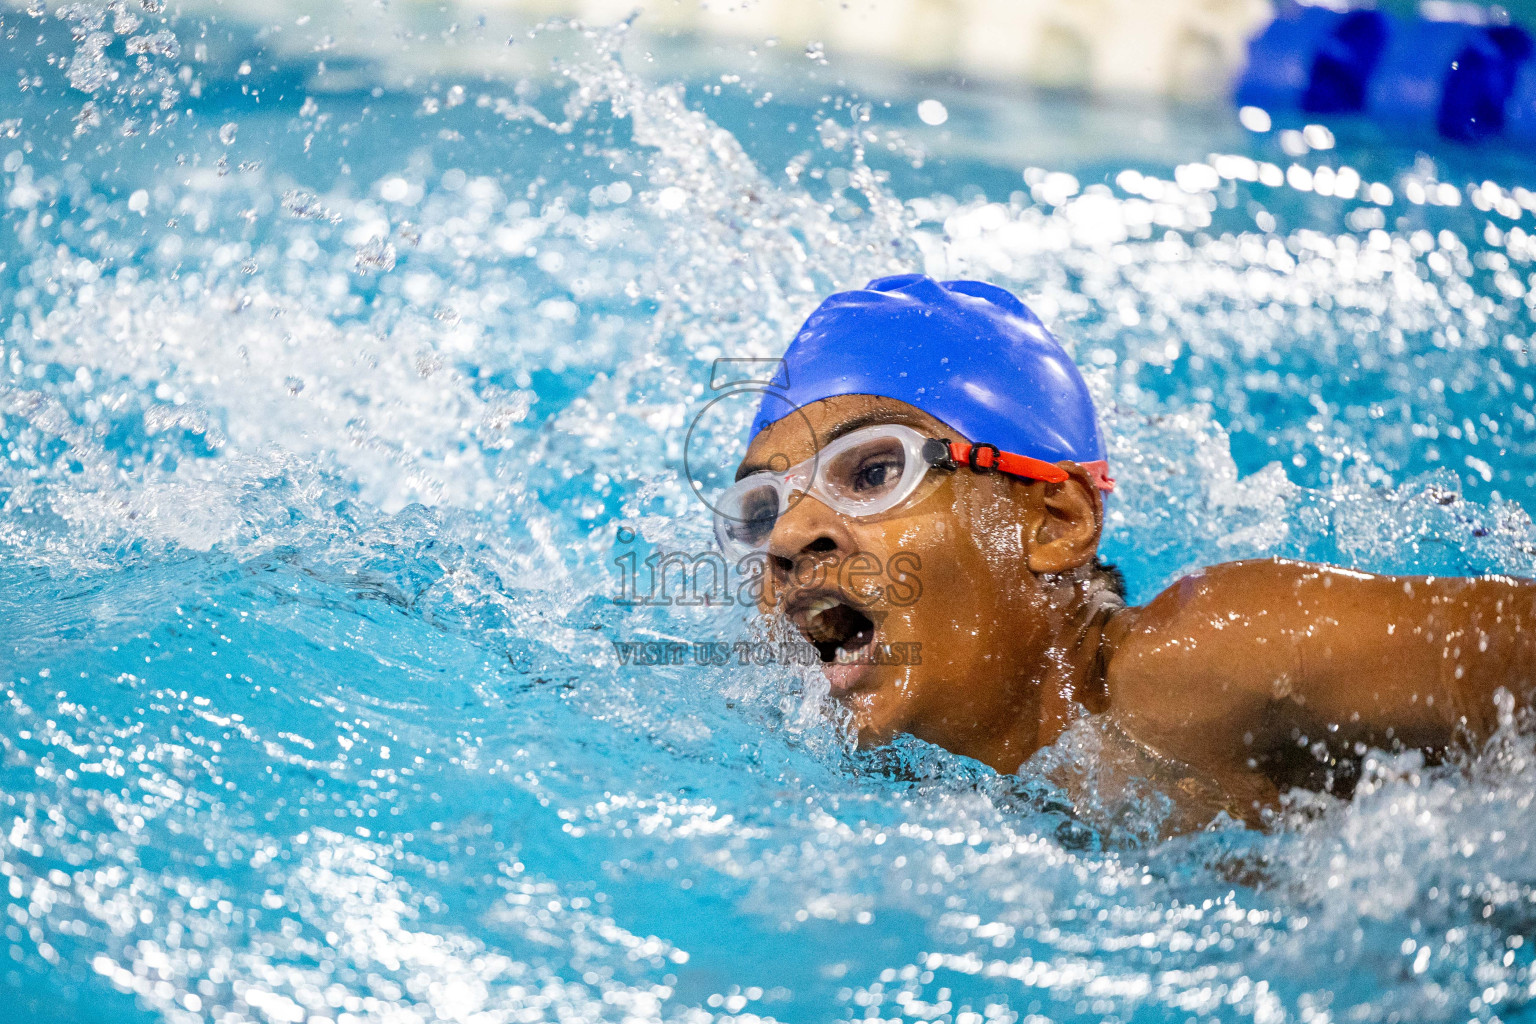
x=748, y=516
x=867, y=473
x=860, y=475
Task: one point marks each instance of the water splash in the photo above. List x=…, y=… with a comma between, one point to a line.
x=311, y=702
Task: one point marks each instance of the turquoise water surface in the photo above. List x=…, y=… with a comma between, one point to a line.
x=343, y=377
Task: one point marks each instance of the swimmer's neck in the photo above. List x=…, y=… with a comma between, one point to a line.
x=1078, y=680
x=1071, y=680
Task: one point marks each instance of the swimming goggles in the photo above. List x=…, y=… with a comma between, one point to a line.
x=862, y=474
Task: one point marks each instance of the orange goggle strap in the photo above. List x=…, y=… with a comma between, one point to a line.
x=988, y=456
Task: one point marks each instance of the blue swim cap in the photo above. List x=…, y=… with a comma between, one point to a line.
x=965, y=352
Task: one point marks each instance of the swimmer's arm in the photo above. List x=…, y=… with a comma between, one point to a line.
x=1244, y=660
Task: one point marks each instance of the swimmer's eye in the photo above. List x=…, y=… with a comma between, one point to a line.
x=876, y=474
x=758, y=514
x=866, y=471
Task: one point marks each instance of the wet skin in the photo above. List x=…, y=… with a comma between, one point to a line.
x=1237, y=672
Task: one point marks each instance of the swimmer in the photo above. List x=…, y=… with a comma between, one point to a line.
x=943, y=423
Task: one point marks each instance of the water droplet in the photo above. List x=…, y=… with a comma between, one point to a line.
x=376, y=254
x=932, y=112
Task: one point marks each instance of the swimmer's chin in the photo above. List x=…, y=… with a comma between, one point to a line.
x=869, y=732
x=874, y=718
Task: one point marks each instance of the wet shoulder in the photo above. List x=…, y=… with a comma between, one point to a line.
x=1227, y=599
x=1188, y=666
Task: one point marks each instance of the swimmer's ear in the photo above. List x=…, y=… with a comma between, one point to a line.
x=1069, y=519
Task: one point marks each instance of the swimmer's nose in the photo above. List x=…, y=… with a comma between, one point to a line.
x=805, y=536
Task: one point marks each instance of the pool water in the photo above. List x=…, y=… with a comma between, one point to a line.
x=335, y=407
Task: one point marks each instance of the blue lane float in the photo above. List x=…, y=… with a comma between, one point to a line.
x=1466, y=82
x=1520, y=112
x=1313, y=59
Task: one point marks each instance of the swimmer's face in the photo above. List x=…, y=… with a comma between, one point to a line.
x=935, y=618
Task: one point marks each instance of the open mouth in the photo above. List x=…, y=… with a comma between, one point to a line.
x=838, y=630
